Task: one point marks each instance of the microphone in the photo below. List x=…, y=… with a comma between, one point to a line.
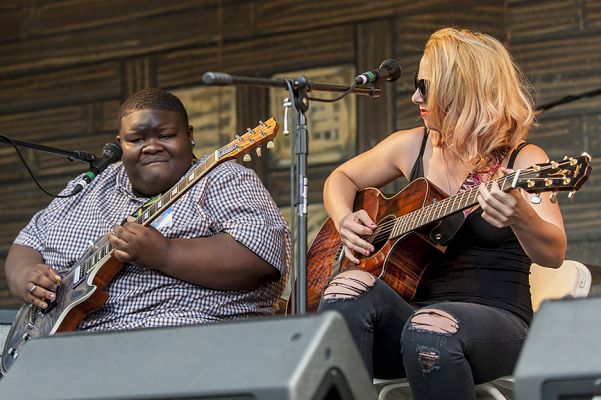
x=389, y=70
x=111, y=152
x=217, y=79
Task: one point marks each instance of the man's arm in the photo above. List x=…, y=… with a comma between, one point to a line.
x=218, y=262
x=249, y=247
x=24, y=267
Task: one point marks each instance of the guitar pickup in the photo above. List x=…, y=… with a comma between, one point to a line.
x=78, y=275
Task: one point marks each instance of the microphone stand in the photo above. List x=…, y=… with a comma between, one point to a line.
x=298, y=90
x=71, y=155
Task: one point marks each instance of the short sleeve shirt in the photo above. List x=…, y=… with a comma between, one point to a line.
x=230, y=199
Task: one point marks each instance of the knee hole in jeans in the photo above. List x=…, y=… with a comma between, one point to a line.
x=349, y=285
x=428, y=358
x=434, y=320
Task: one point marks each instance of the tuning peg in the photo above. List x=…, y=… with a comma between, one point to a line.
x=553, y=197
x=535, y=198
x=263, y=124
x=571, y=195
x=587, y=156
x=270, y=144
x=239, y=138
x=554, y=164
x=258, y=149
x=246, y=158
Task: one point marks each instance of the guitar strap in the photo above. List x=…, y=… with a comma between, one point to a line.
x=477, y=177
x=150, y=202
x=514, y=154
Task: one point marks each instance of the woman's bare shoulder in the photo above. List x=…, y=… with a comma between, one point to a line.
x=529, y=155
x=409, y=139
x=405, y=145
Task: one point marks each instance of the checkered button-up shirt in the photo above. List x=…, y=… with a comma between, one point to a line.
x=230, y=199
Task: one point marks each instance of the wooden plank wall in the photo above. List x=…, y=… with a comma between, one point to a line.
x=67, y=65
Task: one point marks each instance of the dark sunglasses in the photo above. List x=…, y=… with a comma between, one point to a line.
x=422, y=86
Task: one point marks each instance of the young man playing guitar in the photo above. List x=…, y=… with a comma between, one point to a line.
x=219, y=252
x=470, y=315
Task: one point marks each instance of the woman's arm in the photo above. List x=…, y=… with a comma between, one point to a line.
x=538, y=227
x=378, y=166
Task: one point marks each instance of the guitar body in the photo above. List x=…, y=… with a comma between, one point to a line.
x=72, y=304
x=400, y=262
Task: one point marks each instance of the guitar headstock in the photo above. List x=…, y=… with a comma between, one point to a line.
x=253, y=138
x=568, y=174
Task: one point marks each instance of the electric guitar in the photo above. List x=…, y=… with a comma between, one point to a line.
x=83, y=286
x=406, y=238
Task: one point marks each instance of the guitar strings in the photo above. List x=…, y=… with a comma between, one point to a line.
x=410, y=219
x=384, y=231
x=415, y=216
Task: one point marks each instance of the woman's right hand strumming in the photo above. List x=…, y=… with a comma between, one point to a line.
x=374, y=168
x=353, y=228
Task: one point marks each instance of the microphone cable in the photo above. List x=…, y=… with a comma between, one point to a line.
x=12, y=143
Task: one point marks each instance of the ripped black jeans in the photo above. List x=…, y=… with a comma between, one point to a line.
x=444, y=349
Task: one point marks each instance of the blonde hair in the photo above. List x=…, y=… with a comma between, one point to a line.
x=477, y=96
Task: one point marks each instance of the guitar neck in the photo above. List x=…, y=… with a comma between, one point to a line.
x=444, y=208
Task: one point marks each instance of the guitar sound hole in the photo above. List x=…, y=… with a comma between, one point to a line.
x=380, y=236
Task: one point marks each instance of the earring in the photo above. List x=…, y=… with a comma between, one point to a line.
x=193, y=142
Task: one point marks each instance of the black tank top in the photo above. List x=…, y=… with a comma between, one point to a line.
x=482, y=264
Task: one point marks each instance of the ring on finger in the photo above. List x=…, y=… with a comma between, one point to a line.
x=31, y=290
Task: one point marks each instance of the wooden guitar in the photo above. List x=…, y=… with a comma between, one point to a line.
x=404, y=240
x=83, y=286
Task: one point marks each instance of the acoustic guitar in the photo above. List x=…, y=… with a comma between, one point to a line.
x=83, y=286
x=407, y=236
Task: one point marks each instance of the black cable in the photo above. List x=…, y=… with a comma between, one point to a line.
x=9, y=140
x=569, y=99
x=343, y=95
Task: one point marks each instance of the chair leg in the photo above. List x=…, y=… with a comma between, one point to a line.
x=394, y=384
x=492, y=391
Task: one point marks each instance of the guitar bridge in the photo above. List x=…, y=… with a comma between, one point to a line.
x=337, y=261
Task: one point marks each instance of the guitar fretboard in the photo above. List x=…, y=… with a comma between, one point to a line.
x=445, y=207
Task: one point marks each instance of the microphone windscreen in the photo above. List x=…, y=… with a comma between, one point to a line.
x=216, y=79
x=394, y=69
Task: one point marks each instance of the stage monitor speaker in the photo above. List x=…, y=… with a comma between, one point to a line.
x=6, y=318
x=311, y=357
x=561, y=358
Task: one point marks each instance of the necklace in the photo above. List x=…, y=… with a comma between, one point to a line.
x=446, y=171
